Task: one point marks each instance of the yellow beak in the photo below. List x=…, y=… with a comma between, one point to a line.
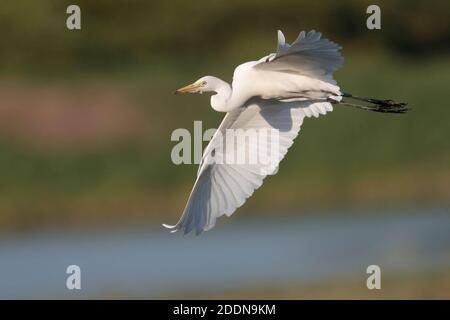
x=190, y=88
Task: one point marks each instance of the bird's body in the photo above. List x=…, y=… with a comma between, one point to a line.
x=274, y=93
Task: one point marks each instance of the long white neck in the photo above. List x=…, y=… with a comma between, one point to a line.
x=223, y=94
x=226, y=97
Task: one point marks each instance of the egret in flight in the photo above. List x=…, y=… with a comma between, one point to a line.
x=275, y=92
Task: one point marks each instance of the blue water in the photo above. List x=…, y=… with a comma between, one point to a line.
x=232, y=255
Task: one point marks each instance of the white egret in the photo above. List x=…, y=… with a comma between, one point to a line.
x=277, y=91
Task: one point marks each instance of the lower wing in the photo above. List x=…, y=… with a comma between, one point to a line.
x=223, y=184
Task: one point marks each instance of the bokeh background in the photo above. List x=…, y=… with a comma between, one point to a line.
x=86, y=176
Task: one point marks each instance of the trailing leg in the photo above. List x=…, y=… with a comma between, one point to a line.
x=378, y=105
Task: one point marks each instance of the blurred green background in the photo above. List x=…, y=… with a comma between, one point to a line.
x=86, y=116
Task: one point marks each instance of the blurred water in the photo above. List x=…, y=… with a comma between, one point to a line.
x=237, y=254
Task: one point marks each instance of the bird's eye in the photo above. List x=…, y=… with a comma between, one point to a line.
x=204, y=83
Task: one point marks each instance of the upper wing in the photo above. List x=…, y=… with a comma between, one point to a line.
x=223, y=186
x=309, y=55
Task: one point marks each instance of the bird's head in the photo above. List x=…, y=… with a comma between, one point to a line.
x=204, y=84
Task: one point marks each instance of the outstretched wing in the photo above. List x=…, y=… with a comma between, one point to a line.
x=222, y=187
x=309, y=55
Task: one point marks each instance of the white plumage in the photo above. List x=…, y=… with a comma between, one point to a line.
x=276, y=92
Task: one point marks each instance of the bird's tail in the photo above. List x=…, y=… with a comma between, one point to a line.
x=377, y=105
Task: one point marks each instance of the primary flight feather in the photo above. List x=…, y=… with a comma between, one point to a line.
x=273, y=94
